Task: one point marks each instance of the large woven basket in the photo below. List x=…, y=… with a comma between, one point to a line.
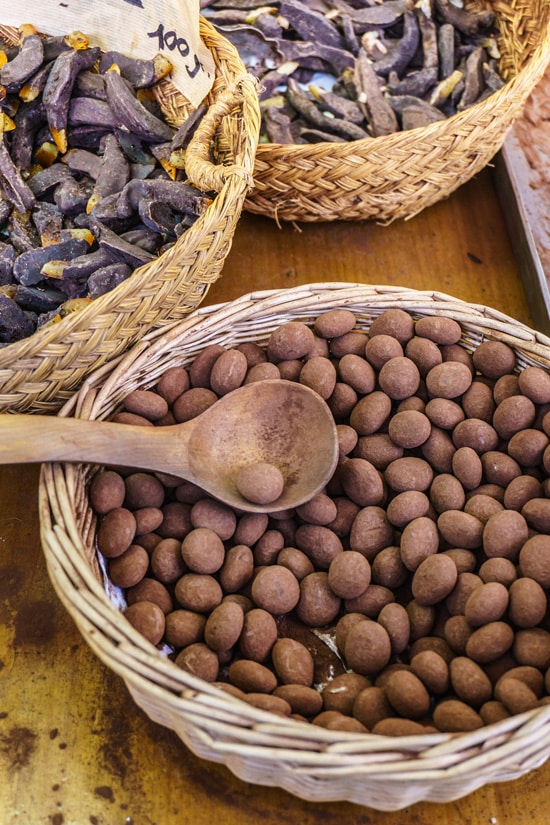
x=39, y=373
x=397, y=176
x=309, y=761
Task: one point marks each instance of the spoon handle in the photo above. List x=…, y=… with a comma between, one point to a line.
x=38, y=438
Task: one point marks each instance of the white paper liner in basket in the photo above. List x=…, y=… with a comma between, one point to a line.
x=310, y=762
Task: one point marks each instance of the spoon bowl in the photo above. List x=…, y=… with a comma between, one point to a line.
x=275, y=421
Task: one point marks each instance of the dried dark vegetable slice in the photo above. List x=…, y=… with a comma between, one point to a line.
x=26, y=62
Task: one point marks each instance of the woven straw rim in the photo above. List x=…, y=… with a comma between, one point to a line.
x=308, y=761
x=398, y=175
x=161, y=292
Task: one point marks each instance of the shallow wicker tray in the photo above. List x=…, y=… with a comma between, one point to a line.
x=39, y=373
x=308, y=761
x=397, y=176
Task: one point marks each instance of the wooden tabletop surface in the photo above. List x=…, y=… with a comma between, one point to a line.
x=74, y=748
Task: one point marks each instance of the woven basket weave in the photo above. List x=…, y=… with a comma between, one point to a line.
x=310, y=762
x=39, y=373
x=398, y=175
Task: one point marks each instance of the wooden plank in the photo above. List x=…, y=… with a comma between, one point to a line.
x=510, y=177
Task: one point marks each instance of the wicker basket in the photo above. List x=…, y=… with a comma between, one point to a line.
x=397, y=176
x=39, y=373
x=306, y=760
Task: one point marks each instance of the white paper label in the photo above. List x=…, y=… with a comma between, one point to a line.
x=137, y=28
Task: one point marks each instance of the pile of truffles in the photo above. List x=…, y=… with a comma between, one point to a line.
x=411, y=594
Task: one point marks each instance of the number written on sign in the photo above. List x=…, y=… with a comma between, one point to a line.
x=169, y=40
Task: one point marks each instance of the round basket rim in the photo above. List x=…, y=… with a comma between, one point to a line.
x=228, y=729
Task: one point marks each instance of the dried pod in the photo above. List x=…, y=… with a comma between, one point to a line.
x=131, y=113
x=58, y=89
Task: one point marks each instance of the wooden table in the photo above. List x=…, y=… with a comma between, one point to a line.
x=74, y=749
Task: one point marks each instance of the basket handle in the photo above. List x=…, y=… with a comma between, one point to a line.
x=200, y=170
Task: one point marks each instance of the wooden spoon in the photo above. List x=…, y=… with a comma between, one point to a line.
x=279, y=422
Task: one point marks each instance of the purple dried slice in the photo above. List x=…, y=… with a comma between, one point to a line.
x=400, y=103
x=188, y=127
x=316, y=56
x=48, y=220
x=72, y=196
x=12, y=185
x=180, y=196
x=38, y=299
x=158, y=216
x=86, y=136
x=113, y=174
x=139, y=72
x=7, y=258
x=163, y=153
x=47, y=179
x=22, y=232
x=28, y=119
x=340, y=106
x=380, y=115
x=375, y=16
x=142, y=236
x=5, y=211
x=58, y=90
x=120, y=249
x=257, y=51
x=90, y=84
x=34, y=86
x=81, y=267
x=278, y=125
x=446, y=44
x=467, y=22
x=306, y=106
x=130, y=113
x=27, y=269
x=106, y=212
x=55, y=44
x=26, y=62
x=318, y=136
x=14, y=323
x=474, y=80
x=93, y=112
x=82, y=161
x=399, y=51
x=310, y=25
x=106, y=278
